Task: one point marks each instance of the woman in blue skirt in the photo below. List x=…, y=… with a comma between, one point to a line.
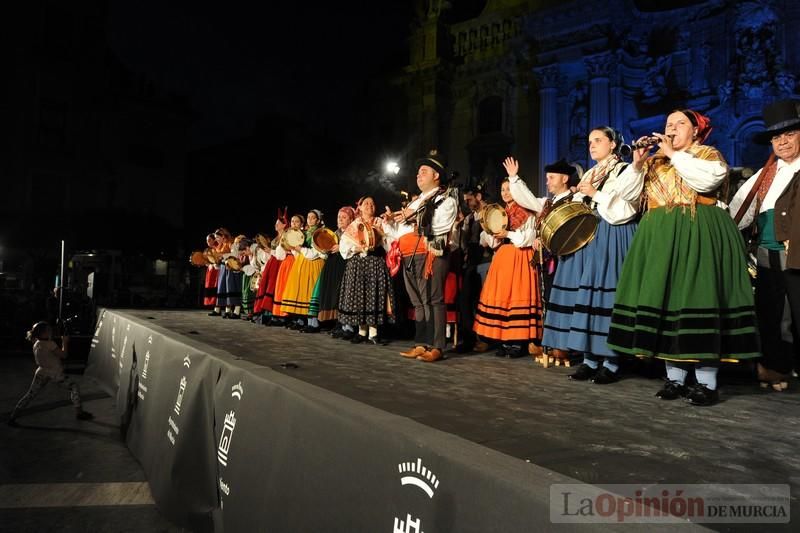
x=582, y=298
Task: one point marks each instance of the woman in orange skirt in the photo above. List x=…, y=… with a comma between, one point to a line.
x=509, y=309
x=287, y=262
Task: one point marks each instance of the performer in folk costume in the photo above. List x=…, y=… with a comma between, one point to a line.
x=477, y=256
x=754, y=206
x=229, y=289
x=262, y=256
x=509, y=308
x=683, y=294
x=582, y=298
x=560, y=178
x=421, y=230
x=366, y=297
x=325, y=299
x=254, y=258
x=287, y=257
x=271, y=270
x=305, y=272
x=212, y=275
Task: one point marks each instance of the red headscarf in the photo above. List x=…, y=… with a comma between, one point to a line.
x=703, y=125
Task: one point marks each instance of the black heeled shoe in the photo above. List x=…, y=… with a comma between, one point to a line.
x=358, y=339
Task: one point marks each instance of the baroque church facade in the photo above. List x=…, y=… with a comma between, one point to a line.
x=531, y=78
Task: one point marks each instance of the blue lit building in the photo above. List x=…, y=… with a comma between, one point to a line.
x=531, y=78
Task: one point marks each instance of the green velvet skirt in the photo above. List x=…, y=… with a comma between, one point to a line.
x=684, y=293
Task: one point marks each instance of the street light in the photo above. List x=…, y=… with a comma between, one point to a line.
x=392, y=168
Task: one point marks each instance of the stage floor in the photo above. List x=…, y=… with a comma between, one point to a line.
x=598, y=434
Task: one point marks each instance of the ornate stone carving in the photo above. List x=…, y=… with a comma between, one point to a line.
x=654, y=86
x=600, y=65
x=548, y=77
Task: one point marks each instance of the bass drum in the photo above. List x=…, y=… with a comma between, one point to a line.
x=568, y=228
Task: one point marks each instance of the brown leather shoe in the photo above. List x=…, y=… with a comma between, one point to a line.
x=414, y=352
x=434, y=354
x=480, y=347
x=559, y=354
x=534, y=350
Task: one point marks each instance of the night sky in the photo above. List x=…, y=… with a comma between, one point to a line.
x=236, y=61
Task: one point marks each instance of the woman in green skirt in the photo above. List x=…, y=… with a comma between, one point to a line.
x=684, y=295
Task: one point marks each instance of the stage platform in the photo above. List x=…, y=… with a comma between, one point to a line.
x=323, y=431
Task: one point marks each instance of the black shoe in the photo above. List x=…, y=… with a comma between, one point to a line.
x=672, y=390
x=605, y=376
x=358, y=339
x=702, y=395
x=583, y=373
x=514, y=351
x=226, y=315
x=502, y=351
x=309, y=329
x=348, y=335
x=214, y=313
x=84, y=415
x=234, y=316
x=377, y=341
x=337, y=333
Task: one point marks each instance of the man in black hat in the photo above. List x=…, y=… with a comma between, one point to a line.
x=757, y=205
x=421, y=230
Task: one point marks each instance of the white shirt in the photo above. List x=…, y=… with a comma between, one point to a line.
x=701, y=175
x=443, y=217
x=783, y=176
x=522, y=237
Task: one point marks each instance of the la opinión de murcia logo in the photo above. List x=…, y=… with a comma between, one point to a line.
x=173, y=430
x=420, y=477
x=225, y=439
x=187, y=362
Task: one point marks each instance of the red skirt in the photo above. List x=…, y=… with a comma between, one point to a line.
x=265, y=296
x=510, y=306
x=210, y=292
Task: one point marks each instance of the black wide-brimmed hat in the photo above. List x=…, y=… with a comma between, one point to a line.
x=436, y=161
x=562, y=167
x=780, y=116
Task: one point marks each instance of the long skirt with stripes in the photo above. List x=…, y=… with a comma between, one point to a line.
x=509, y=308
x=296, y=295
x=280, y=284
x=582, y=296
x=265, y=296
x=325, y=298
x=684, y=293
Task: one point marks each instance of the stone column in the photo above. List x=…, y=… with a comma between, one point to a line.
x=548, y=78
x=598, y=67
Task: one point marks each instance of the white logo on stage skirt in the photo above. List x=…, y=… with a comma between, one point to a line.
x=225, y=438
x=181, y=390
x=419, y=477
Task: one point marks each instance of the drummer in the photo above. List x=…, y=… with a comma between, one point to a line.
x=509, y=308
x=366, y=297
x=585, y=283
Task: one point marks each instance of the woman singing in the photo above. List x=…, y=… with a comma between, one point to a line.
x=683, y=294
